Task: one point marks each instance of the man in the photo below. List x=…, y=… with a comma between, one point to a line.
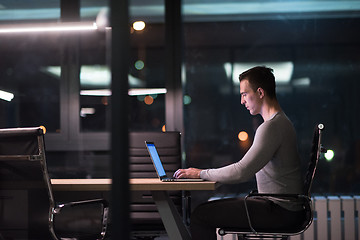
x=273, y=158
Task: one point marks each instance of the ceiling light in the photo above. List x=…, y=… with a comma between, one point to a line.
x=96, y=92
x=48, y=27
x=146, y=91
x=301, y=82
x=6, y=96
x=282, y=70
x=94, y=76
x=87, y=111
x=131, y=92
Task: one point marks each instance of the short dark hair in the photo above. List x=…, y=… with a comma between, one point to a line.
x=260, y=76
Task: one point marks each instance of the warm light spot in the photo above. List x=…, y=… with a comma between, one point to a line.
x=243, y=136
x=43, y=128
x=163, y=128
x=104, y=101
x=148, y=100
x=139, y=25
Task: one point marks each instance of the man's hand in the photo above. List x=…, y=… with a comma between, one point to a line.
x=187, y=173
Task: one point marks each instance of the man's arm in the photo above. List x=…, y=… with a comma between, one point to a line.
x=260, y=153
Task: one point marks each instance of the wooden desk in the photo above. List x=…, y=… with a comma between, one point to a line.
x=136, y=184
x=172, y=221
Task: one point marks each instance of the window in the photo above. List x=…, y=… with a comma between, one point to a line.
x=314, y=55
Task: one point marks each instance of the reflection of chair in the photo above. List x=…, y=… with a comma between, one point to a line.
x=144, y=214
x=274, y=231
x=27, y=207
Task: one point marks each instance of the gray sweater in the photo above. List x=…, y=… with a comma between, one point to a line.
x=273, y=158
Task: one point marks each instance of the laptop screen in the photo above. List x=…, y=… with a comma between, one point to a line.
x=156, y=159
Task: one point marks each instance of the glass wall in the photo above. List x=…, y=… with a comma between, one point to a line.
x=62, y=81
x=29, y=93
x=146, y=70
x=315, y=57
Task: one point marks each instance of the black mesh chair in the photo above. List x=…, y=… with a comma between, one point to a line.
x=274, y=231
x=27, y=206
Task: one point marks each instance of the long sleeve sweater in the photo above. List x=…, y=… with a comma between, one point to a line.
x=273, y=158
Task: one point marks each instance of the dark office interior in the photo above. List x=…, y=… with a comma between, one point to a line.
x=62, y=80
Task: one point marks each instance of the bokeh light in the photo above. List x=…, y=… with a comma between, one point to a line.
x=187, y=99
x=139, y=65
x=329, y=155
x=139, y=25
x=43, y=128
x=243, y=136
x=148, y=100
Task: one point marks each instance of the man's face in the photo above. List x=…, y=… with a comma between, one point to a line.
x=250, y=99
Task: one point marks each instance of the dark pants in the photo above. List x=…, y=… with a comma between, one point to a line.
x=231, y=213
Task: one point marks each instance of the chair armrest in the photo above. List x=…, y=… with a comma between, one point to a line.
x=81, y=219
x=86, y=202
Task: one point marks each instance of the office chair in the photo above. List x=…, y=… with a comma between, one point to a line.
x=145, y=217
x=305, y=198
x=27, y=206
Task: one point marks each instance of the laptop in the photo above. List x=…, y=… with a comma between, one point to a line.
x=160, y=168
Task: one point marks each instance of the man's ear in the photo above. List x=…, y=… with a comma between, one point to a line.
x=261, y=92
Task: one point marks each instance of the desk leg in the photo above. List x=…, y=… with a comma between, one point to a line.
x=172, y=221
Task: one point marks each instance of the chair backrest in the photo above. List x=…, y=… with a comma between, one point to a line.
x=316, y=149
x=168, y=146
x=25, y=190
x=144, y=214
